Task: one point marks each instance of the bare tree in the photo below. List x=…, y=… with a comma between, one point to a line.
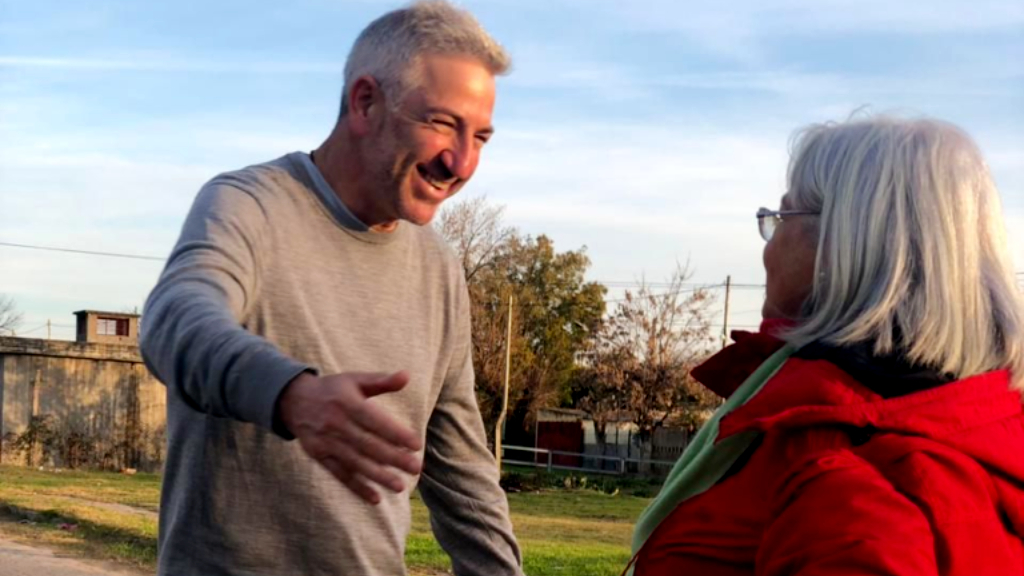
x=645, y=353
x=10, y=317
x=474, y=229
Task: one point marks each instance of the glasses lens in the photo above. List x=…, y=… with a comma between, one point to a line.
x=766, y=222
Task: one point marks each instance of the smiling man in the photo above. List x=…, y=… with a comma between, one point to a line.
x=313, y=333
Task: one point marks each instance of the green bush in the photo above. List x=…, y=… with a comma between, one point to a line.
x=514, y=479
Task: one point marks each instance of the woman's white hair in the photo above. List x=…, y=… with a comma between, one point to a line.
x=912, y=247
x=389, y=48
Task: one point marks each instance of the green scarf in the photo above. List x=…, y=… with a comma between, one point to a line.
x=704, y=462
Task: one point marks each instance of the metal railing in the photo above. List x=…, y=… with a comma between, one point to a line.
x=621, y=468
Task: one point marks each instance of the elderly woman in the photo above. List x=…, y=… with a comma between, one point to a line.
x=874, y=424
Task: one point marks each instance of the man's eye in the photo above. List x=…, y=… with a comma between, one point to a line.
x=441, y=123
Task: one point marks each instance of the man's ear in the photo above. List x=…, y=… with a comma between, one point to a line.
x=365, y=99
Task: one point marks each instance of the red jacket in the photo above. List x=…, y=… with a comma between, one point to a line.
x=845, y=482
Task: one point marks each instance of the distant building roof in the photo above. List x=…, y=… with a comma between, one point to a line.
x=103, y=313
x=560, y=415
x=549, y=414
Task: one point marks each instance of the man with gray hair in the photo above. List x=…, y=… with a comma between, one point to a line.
x=316, y=348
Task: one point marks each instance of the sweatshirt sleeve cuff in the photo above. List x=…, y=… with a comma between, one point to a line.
x=266, y=376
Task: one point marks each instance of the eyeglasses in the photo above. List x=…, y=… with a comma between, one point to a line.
x=769, y=220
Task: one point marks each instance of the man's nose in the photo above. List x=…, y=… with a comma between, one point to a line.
x=461, y=160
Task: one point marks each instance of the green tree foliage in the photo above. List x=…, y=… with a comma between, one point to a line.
x=555, y=312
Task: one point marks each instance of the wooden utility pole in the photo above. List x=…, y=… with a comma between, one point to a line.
x=47, y=328
x=500, y=427
x=725, y=322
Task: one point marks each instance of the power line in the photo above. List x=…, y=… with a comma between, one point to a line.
x=659, y=294
x=701, y=285
x=606, y=283
x=33, y=330
x=44, y=325
x=88, y=252
x=633, y=283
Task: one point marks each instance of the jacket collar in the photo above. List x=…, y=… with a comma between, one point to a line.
x=725, y=371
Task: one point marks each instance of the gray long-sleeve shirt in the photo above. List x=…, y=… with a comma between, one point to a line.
x=272, y=275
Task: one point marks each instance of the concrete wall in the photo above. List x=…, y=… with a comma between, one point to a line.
x=100, y=404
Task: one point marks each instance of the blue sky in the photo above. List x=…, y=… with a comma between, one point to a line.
x=649, y=131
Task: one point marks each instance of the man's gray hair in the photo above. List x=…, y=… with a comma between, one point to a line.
x=389, y=48
x=913, y=254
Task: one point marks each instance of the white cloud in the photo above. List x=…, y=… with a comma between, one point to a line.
x=908, y=17
x=619, y=82
x=78, y=189
x=143, y=62
x=631, y=163
x=641, y=194
x=744, y=30
x=716, y=24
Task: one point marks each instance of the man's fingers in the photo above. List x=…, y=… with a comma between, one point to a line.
x=349, y=464
x=368, y=468
x=371, y=446
x=373, y=419
x=363, y=489
x=352, y=481
x=356, y=440
x=350, y=403
x=376, y=384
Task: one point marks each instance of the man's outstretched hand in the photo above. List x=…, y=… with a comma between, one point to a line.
x=337, y=425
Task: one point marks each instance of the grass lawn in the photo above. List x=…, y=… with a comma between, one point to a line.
x=577, y=532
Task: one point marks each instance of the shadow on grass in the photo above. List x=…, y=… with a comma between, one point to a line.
x=94, y=539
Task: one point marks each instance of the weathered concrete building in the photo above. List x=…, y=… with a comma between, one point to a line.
x=85, y=403
x=95, y=327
